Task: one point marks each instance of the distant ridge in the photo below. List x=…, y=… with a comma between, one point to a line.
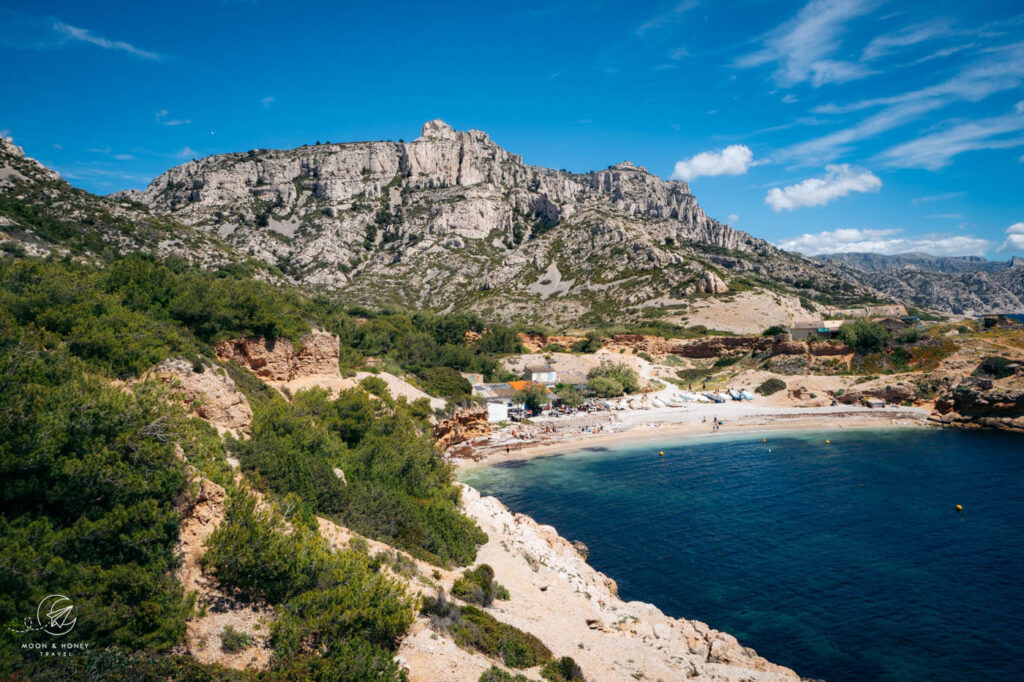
x=962, y=285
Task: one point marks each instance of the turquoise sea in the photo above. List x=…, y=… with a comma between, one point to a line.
x=844, y=561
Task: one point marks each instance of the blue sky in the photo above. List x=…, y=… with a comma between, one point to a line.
x=821, y=126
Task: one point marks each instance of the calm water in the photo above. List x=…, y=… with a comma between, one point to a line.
x=844, y=561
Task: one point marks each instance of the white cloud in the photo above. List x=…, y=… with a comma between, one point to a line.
x=801, y=46
x=124, y=157
x=161, y=118
x=936, y=197
x=187, y=153
x=1002, y=69
x=679, y=53
x=56, y=146
x=839, y=180
x=733, y=218
x=267, y=101
x=852, y=240
x=85, y=36
x=1014, y=239
x=936, y=150
x=733, y=160
x=884, y=45
x=667, y=18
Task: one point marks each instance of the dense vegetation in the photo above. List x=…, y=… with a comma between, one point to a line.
x=394, y=489
x=92, y=474
x=333, y=602
x=88, y=477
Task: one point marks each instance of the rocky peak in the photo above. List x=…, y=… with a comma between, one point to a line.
x=7, y=146
x=438, y=129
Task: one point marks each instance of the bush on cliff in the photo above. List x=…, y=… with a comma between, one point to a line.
x=395, y=487
x=994, y=367
x=478, y=586
x=474, y=629
x=771, y=386
x=88, y=478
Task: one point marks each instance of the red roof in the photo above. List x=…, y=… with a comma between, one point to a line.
x=521, y=385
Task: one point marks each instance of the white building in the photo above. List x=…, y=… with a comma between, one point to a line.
x=497, y=412
x=542, y=374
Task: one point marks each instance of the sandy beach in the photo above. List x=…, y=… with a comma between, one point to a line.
x=548, y=436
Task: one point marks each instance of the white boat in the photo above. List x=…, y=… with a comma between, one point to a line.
x=656, y=403
x=701, y=398
x=746, y=395
x=686, y=396
x=716, y=397
x=734, y=394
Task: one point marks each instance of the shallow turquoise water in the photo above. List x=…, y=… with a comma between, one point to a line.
x=844, y=561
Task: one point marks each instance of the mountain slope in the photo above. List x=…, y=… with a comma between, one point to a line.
x=41, y=214
x=453, y=221
x=963, y=286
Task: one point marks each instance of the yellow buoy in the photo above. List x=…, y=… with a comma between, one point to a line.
x=661, y=454
x=959, y=507
x=828, y=442
x=764, y=440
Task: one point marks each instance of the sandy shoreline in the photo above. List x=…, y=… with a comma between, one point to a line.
x=666, y=425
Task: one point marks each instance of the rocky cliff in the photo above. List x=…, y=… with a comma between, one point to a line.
x=452, y=220
x=279, y=361
x=982, y=405
x=962, y=286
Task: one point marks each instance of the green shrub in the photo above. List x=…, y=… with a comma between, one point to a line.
x=909, y=335
x=569, y=395
x=232, y=640
x=563, y=669
x=620, y=372
x=533, y=396
x=605, y=387
x=445, y=382
x=477, y=586
x=771, y=386
x=479, y=630
x=774, y=330
x=496, y=674
x=864, y=335
x=994, y=367
x=591, y=344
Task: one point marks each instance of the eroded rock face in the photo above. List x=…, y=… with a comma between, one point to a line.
x=210, y=393
x=980, y=405
x=898, y=392
x=710, y=283
x=465, y=425
x=277, y=360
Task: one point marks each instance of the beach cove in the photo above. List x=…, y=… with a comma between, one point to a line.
x=842, y=560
